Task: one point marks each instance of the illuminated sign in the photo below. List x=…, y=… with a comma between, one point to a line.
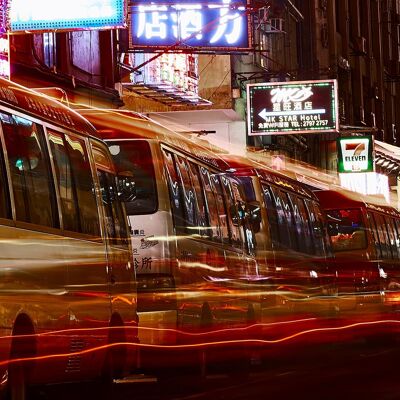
x=355, y=154
x=4, y=56
x=366, y=183
x=42, y=15
x=292, y=107
x=222, y=24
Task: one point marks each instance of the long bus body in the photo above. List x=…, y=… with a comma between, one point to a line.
x=66, y=269
x=216, y=246
x=366, y=241
x=292, y=246
x=191, y=254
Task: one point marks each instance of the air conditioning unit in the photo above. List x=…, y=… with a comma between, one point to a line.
x=361, y=45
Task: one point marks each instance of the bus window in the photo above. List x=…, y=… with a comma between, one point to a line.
x=383, y=236
x=135, y=169
x=305, y=221
x=33, y=187
x=211, y=205
x=346, y=229
x=5, y=207
x=221, y=207
x=392, y=240
x=272, y=214
x=114, y=216
x=84, y=185
x=233, y=217
x=66, y=187
x=201, y=204
x=188, y=195
x=322, y=232
x=290, y=218
x=175, y=193
x=282, y=220
x=375, y=235
x=396, y=223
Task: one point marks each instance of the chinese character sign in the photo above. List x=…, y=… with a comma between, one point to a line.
x=42, y=15
x=4, y=56
x=292, y=107
x=222, y=24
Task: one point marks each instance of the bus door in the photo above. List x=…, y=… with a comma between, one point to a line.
x=139, y=176
x=120, y=271
x=86, y=286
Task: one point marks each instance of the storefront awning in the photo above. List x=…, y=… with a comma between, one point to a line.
x=387, y=158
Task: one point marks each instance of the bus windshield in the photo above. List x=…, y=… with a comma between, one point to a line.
x=346, y=229
x=137, y=186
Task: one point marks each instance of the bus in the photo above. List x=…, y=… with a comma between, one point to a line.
x=66, y=268
x=191, y=253
x=292, y=246
x=365, y=237
x=217, y=244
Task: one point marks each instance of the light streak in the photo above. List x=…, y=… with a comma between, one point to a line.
x=198, y=345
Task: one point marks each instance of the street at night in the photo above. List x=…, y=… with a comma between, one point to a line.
x=199, y=199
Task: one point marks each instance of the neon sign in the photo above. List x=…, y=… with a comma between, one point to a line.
x=4, y=56
x=42, y=15
x=292, y=107
x=223, y=24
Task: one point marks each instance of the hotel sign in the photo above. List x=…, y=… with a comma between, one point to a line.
x=292, y=107
x=355, y=154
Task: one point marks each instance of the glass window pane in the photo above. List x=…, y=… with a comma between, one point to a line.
x=175, y=193
x=202, y=214
x=114, y=217
x=347, y=229
x=62, y=165
x=272, y=215
x=5, y=207
x=33, y=185
x=134, y=163
x=85, y=190
x=189, y=199
x=221, y=207
x=211, y=204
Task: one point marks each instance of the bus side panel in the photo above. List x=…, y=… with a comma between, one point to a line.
x=33, y=282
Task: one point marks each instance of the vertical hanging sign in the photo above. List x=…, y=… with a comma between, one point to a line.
x=4, y=43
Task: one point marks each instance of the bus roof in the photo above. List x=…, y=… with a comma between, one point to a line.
x=126, y=124
x=243, y=166
x=40, y=105
x=331, y=200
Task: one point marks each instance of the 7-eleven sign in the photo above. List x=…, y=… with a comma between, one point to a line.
x=355, y=154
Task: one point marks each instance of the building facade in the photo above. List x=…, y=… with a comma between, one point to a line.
x=356, y=42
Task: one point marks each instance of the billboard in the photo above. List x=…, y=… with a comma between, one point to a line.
x=355, y=154
x=222, y=24
x=44, y=15
x=292, y=107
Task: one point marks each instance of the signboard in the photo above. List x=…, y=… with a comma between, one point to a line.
x=222, y=24
x=4, y=56
x=366, y=183
x=355, y=154
x=292, y=107
x=43, y=15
